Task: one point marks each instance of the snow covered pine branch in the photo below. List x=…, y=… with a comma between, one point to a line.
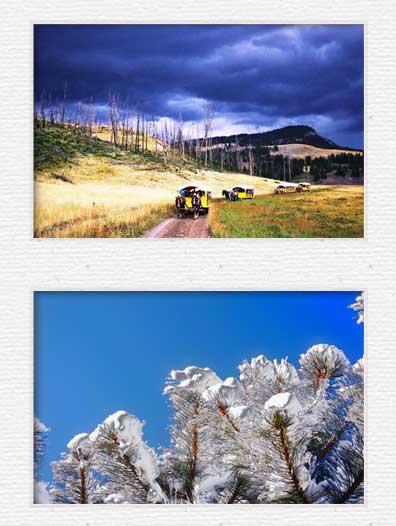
x=358, y=307
x=274, y=435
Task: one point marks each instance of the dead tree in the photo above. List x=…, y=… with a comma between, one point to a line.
x=125, y=125
x=42, y=109
x=89, y=118
x=237, y=155
x=114, y=116
x=180, y=138
x=146, y=135
x=63, y=106
x=77, y=121
x=51, y=110
x=251, y=161
x=137, y=142
x=207, y=127
x=165, y=143
x=142, y=127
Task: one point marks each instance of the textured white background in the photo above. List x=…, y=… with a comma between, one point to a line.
x=139, y=264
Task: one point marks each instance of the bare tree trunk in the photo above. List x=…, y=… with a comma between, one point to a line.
x=51, y=111
x=165, y=144
x=142, y=126
x=237, y=155
x=90, y=116
x=250, y=160
x=137, y=145
x=42, y=112
x=63, y=108
x=114, y=114
x=78, y=117
x=207, y=126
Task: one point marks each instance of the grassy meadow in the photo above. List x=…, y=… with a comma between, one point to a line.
x=336, y=211
x=91, y=188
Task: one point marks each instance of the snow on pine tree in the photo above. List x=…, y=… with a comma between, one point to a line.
x=276, y=434
x=358, y=307
x=40, y=430
x=74, y=477
x=200, y=467
x=125, y=462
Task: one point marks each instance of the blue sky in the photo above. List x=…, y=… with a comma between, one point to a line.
x=257, y=77
x=98, y=352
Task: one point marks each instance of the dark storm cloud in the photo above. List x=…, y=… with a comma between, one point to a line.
x=257, y=76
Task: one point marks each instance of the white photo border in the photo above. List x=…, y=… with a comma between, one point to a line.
x=29, y=264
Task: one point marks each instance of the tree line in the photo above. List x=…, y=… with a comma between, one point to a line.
x=133, y=130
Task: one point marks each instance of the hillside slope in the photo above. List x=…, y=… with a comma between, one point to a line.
x=299, y=134
x=88, y=187
x=300, y=151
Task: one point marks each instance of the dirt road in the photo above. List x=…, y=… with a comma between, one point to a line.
x=175, y=227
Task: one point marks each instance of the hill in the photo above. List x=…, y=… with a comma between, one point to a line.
x=87, y=187
x=299, y=134
x=300, y=151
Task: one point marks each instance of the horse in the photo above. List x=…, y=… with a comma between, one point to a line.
x=196, y=204
x=180, y=206
x=231, y=196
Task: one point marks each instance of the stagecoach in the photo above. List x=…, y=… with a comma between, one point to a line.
x=285, y=188
x=304, y=187
x=244, y=191
x=193, y=198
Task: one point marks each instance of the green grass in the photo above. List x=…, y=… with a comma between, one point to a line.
x=56, y=147
x=329, y=212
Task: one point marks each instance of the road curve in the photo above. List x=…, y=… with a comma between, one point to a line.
x=186, y=227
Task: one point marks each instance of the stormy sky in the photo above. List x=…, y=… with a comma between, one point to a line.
x=256, y=77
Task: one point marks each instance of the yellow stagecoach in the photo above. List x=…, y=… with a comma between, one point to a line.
x=304, y=187
x=285, y=188
x=193, y=198
x=244, y=191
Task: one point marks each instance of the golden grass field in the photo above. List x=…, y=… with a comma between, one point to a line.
x=112, y=193
x=89, y=188
x=326, y=211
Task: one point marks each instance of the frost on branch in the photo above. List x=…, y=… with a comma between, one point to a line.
x=323, y=362
x=286, y=374
x=229, y=397
x=40, y=431
x=258, y=369
x=275, y=435
x=358, y=307
x=200, y=465
x=75, y=482
x=283, y=403
x=41, y=495
x=128, y=464
x=193, y=378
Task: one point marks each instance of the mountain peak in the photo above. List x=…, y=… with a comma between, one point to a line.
x=297, y=133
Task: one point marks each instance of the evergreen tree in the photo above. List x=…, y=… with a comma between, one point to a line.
x=75, y=481
x=276, y=434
